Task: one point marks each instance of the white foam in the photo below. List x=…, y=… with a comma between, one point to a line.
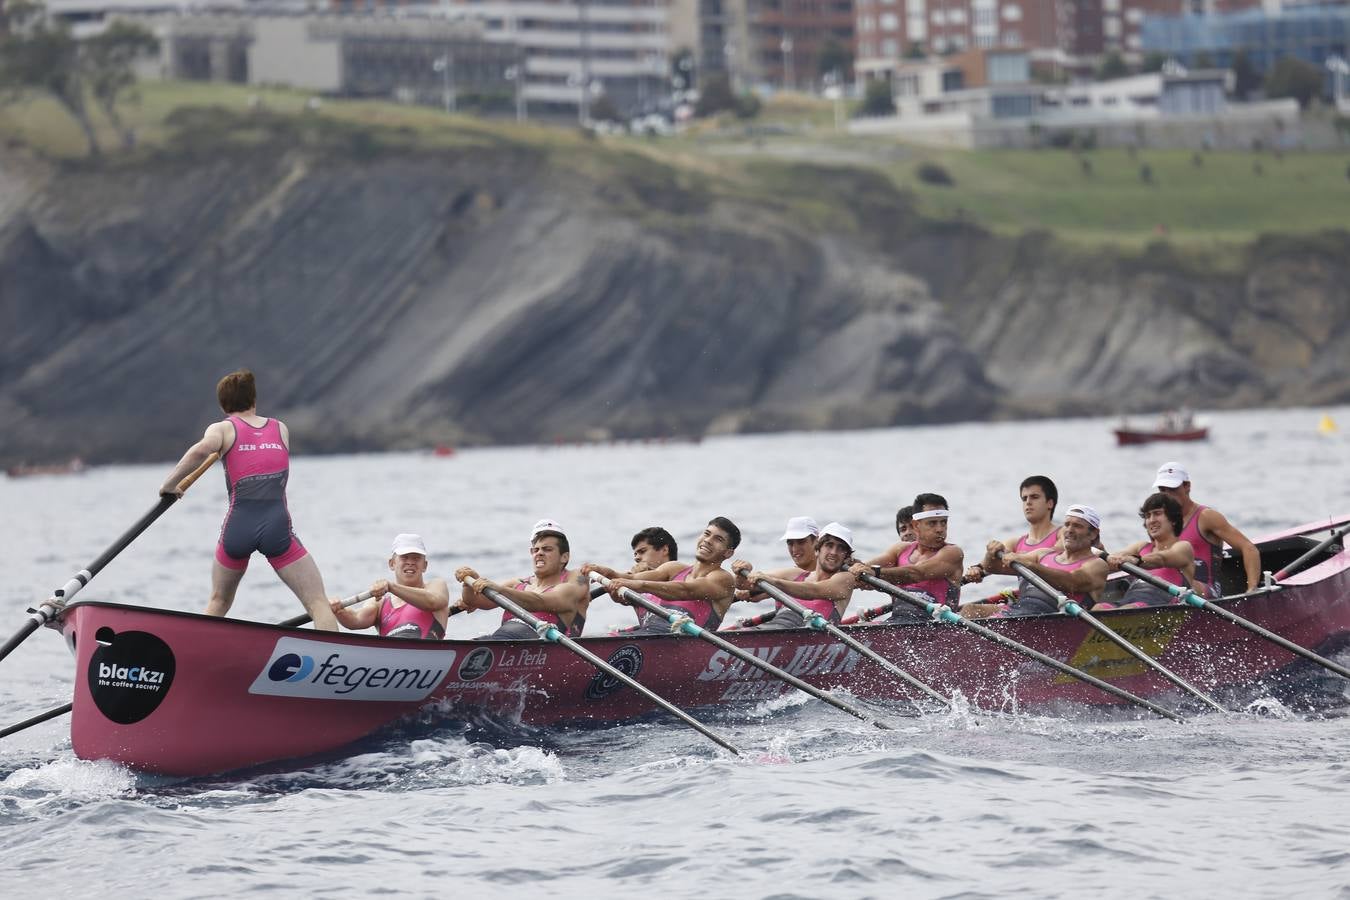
x=70, y=778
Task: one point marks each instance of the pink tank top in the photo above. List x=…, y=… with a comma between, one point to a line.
x=408, y=621
x=1205, y=552
x=578, y=621
x=1171, y=576
x=1026, y=546
x=823, y=608
x=700, y=611
x=257, y=464
x=1050, y=562
x=940, y=589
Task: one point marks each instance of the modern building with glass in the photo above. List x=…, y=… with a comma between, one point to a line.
x=1310, y=33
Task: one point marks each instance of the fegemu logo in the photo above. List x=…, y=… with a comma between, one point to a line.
x=304, y=668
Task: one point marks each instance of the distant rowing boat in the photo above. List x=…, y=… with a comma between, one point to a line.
x=187, y=694
x=1127, y=436
x=69, y=467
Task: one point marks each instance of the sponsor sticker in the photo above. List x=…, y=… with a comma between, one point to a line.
x=476, y=664
x=628, y=660
x=129, y=674
x=314, y=669
x=1100, y=656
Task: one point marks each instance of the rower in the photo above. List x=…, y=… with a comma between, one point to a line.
x=904, y=523
x=1039, y=497
x=701, y=591
x=928, y=565
x=652, y=548
x=551, y=592
x=1170, y=558
x=407, y=607
x=1073, y=568
x=800, y=537
x=1207, y=530
x=825, y=590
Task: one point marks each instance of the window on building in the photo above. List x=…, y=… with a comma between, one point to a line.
x=939, y=17
x=958, y=42
x=918, y=28
x=1012, y=13
x=890, y=48
x=984, y=40
x=889, y=21
x=956, y=16
x=1111, y=27
x=1012, y=37
x=1111, y=5
x=985, y=18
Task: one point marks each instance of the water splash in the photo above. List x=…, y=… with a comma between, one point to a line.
x=68, y=779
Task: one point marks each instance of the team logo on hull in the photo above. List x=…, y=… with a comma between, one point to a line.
x=476, y=664
x=320, y=670
x=129, y=674
x=628, y=660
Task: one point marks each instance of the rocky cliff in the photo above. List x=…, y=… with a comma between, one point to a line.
x=391, y=295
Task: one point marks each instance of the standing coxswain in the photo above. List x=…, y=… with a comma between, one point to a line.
x=255, y=452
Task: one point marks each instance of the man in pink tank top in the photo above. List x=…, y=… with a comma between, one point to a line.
x=1074, y=568
x=1039, y=499
x=551, y=592
x=702, y=590
x=255, y=452
x=1170, y=558
x=800, y=536
x=825, y=590
x=1207, y=530
x=410, y=606
x=652, y=548
x=929, y=565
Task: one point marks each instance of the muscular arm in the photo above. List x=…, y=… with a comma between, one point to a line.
x=1088, y=578
x=890, y=556
x=1218, y=530
x=946, y=563
x=838, y=587
x=717, y=587
x=434, y=597
x=565, y=599
x=363, y=615
x=214, y=440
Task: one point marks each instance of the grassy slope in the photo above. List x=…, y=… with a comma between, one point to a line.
x=1222, y=202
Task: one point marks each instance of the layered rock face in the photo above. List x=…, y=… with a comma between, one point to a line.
x=500, y=294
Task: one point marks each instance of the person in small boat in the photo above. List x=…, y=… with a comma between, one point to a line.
x=255, y=452
x=652, y=548
x=904, y=523
x=1073, y=568
x=1207, y=530
x=551, y=592
x=825, y=590
x=1166, y=554
x=800, y=536
x=702, y=591
x=1039, y=497
x=927, y=565
x=410, y=606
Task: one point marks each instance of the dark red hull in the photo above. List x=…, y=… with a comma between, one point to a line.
x=1125, y=437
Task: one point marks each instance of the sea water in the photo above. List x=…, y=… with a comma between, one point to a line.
x=820, y=805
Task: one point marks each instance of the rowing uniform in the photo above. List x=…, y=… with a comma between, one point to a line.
x=1141, y=594
x=513, y=629
x=787, y=618
x=1032, y=601
x=937, y=590
x=408, y=621
x=1026, y=545
x=701, y=612
x=257, y=466
x=1207, y=555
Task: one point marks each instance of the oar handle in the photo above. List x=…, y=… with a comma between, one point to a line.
x=868, y=615
x=198, y=472
x=551, y=633
x=303, y=619
x=752, y=621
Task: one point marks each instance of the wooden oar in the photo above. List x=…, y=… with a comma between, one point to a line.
x=752, y=621
x=1303, y=561
x=48, y=609
x=66, y=707
x=1077, y=611
x=1185, y=595
x=943, y=614
x=819, y=623
x=550, y=633
x=867, y=615
x=685, y=624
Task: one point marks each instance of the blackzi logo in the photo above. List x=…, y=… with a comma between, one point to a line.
x=304, y=668
x=129, y=674
x=627, y=660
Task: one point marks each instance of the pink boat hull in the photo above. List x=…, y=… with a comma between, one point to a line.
x=186, y=694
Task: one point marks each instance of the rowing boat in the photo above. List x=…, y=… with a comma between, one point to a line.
x=186, y=694
x=1130, y=436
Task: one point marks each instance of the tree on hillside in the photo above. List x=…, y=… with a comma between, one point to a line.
x=877, y=99
x=1246, y=79
x=1291, y=77
x=108, y=59
x=39, y=56
x=1113, y=66
x=834, y=57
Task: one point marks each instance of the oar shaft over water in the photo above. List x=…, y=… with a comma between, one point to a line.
x=944, y=614
x=47, y=610
x=1074, y=609
x=686, y=625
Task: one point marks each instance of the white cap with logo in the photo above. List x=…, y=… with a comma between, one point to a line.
x=545, y=525
x=842, y=532
x=409, y=543
x=1086, y=513
x=799, y=527
x=1170, y=475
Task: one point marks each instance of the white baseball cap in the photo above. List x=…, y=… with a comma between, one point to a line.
x=409, y=543
x=799, y=527
x=842, y=532
x=545, y=525
x=1086, y=513
x=1170, y=475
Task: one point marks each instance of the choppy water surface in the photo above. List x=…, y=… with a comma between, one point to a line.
x=954, y=804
